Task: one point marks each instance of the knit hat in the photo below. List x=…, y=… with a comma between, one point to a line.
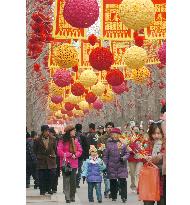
x=116, y=131
x=69, y=128
x=92, y=148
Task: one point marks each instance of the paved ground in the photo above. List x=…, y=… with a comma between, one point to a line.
x=33, y=197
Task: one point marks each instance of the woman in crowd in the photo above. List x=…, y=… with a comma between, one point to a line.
x=115, y=158
x=69, y=150
x=155, y=152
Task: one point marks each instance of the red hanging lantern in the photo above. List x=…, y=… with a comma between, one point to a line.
x=92, y=39
x=115, y=77
x=63, y=111
x=62, y=78
x=90, y=97
x=101, y=58
x=69, y=106
x=56, y=99
x=139, y=40
x=161, y=85
x=77, y=89
x=69, y=113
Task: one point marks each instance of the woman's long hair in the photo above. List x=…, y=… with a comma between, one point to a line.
x=67, y=138
x=152, y=129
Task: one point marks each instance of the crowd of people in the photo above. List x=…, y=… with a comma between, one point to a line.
x=101, y=155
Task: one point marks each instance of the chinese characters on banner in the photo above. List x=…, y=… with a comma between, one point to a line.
x=61, y=29
x=157, y=29
x=119, y=48
x=111, y=26
x=85, y=51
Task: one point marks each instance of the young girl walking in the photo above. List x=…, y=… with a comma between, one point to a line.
x=92, y=171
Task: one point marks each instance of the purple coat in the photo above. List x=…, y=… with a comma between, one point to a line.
x=115, y=168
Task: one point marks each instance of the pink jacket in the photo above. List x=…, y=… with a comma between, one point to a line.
x=63, y=148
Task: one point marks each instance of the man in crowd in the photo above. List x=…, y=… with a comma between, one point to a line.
x=45, y=150
x=31, y=161
x=85, y=151
x=91, y=136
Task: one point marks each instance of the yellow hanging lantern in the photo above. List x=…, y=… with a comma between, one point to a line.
x=54, y=107
x=98, y=89
x=55, y=90
x=73, y=99
x=66, y=56
x=83, y=105
x=78, y=112
x=136, y=14
x=88, y=78
x=58, y=114
x=108, y=97
x=135, y=57
x=140, y=76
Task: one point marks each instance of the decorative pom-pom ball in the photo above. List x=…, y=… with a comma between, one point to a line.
x=69, y=106
x=73, y=99
x=101, y=58
x=98, y=104
x=88, y=78
x=115, y=77
x=81, y=14
x=58, y=114
x=90, y=97
x=62, y=78
x=119, y=89
x=92, y=39
x=139, y=40
x=77, y=89
x=162, y=54
x=54, y=107
x=98, y=89
x=63, y=111
x=136, y=14
x=66, y=56
x=56, y=99
x=55, y=90
x=135, y=57
x=161, y=85
x=83, y=105
x=108, y=97
x=163, y=101
x=140, y=75
x=78, y=112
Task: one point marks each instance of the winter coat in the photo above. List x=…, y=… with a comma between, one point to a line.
x=46, y=157
x=83, y=142
x=115, y=168
x=63, y=149
x=30, y=155
x=92, y=170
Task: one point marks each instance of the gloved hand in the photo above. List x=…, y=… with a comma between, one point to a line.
x=105, y=172
x=84, y=178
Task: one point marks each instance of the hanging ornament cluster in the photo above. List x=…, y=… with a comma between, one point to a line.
x=115, y=77
x=162, y=53
x=98, y=89
x=56, y=99
x=69, y=106
x=108, y=96
x=58, y=114
x=92, y=39
x=136, y=14
x=55, y=90
x=140, y=75
x=88, y=78
x=81, y=14
x=135, y=57
x=101, y=58
x=90, y=97
x=73, y=99
x=66, y=56
x=54, y=107
x=98, y=104
x=120, y=88
x=83, y=105
x=62, y=78
x=77, y=89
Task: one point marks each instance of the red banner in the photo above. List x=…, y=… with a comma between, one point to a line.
x=111, y=26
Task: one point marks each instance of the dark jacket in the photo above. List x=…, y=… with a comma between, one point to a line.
x=46, y=158
x=84, y=144
x=92, y=139
x=30, y=156
x=116, y=168
x=103, y=139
